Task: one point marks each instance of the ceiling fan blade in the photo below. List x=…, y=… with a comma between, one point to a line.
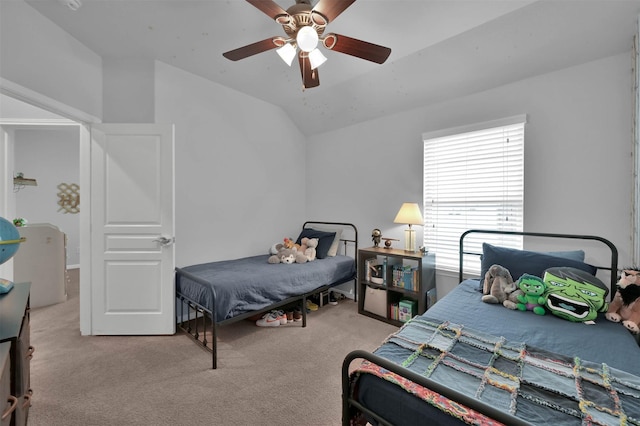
x=358, y=48
x=251, y=49
x=330, y=9
x=310, y=77
x=270, y=8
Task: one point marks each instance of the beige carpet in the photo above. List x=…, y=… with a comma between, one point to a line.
x=285, y=375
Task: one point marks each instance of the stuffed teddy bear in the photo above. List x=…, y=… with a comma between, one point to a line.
x=499, y=287
x=308, y=247
x=625, y=305
x=532, y=298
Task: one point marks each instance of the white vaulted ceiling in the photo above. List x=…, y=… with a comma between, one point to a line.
x=440, y=49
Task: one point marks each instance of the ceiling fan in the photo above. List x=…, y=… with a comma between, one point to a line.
x=304, y=26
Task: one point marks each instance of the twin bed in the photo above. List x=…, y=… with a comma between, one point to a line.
x=219, y=293
x=461, y=362
x=468, y=362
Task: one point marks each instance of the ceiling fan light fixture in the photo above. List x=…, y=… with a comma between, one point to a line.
x=316, y=58
x=304, y=24
x=287, y=52
x=307, y=39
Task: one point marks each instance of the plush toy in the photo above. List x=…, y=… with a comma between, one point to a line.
x=574, y=294
x=287, y=243
x=532, y=298
x=303, y=244
x=290, y=244
x=625, y=305
x=286, y=255
x=308, y=247
x=499, y=287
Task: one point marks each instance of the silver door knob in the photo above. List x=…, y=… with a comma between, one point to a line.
x=164, y=241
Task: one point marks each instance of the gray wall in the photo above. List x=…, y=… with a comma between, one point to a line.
x=246, y=177
x=240, y=169
x=52, y=157
x=40, y=56
x=578, y=163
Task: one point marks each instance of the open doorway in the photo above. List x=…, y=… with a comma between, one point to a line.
x=43, y=148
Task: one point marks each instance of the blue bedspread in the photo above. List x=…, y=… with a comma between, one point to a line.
x=602, y=342
x=251, y=283
x=533, y=384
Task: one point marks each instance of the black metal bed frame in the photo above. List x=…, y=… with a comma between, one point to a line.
x=351, y=406
x=200, y=318
x=613, y=268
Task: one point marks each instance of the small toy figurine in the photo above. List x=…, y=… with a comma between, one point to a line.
x=387, y=242
x=19, y=221
x=533, y=298
x=376, y=235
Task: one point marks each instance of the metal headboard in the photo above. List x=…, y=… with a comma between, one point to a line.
x=613, y=268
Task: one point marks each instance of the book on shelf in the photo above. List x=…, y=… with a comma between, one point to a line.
x=432, y=297
x=406, y=276
x=407, y=308
x=384, y=270
x=396, y=275
x=393, y=311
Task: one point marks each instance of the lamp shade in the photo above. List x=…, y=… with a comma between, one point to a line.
x=287, y=52
x=316, y=58
x=409, y=214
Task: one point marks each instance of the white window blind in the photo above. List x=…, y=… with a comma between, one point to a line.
x=473, y=179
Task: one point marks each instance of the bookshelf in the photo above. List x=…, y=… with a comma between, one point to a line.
x=397, y=287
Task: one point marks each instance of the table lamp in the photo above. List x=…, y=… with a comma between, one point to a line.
x=409, y=214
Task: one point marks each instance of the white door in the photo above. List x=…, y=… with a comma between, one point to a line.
x=132, y=229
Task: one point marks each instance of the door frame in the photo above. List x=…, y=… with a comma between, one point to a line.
x=85, y=121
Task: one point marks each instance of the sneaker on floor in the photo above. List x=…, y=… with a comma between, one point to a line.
x=289, y=316
x=282, y=316
x=332, y=299
x=270, y=319
x=297, y=315
x=312, y=306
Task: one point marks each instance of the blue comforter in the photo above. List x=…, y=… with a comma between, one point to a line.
x=531, y=383
x=251, y=284
x=602, y=342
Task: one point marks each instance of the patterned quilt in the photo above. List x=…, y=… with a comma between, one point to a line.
x=536, y=385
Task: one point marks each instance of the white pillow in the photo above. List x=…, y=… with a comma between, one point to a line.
x=333, y=250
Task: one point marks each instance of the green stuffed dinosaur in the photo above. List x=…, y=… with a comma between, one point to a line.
x=533, y=288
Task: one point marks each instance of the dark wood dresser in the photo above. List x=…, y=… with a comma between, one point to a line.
x=15, y=355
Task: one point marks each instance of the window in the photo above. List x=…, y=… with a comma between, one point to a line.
x=473, y=179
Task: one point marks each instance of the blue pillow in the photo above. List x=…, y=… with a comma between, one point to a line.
x=325, y=239
x=520, y=262
x=570, y=254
